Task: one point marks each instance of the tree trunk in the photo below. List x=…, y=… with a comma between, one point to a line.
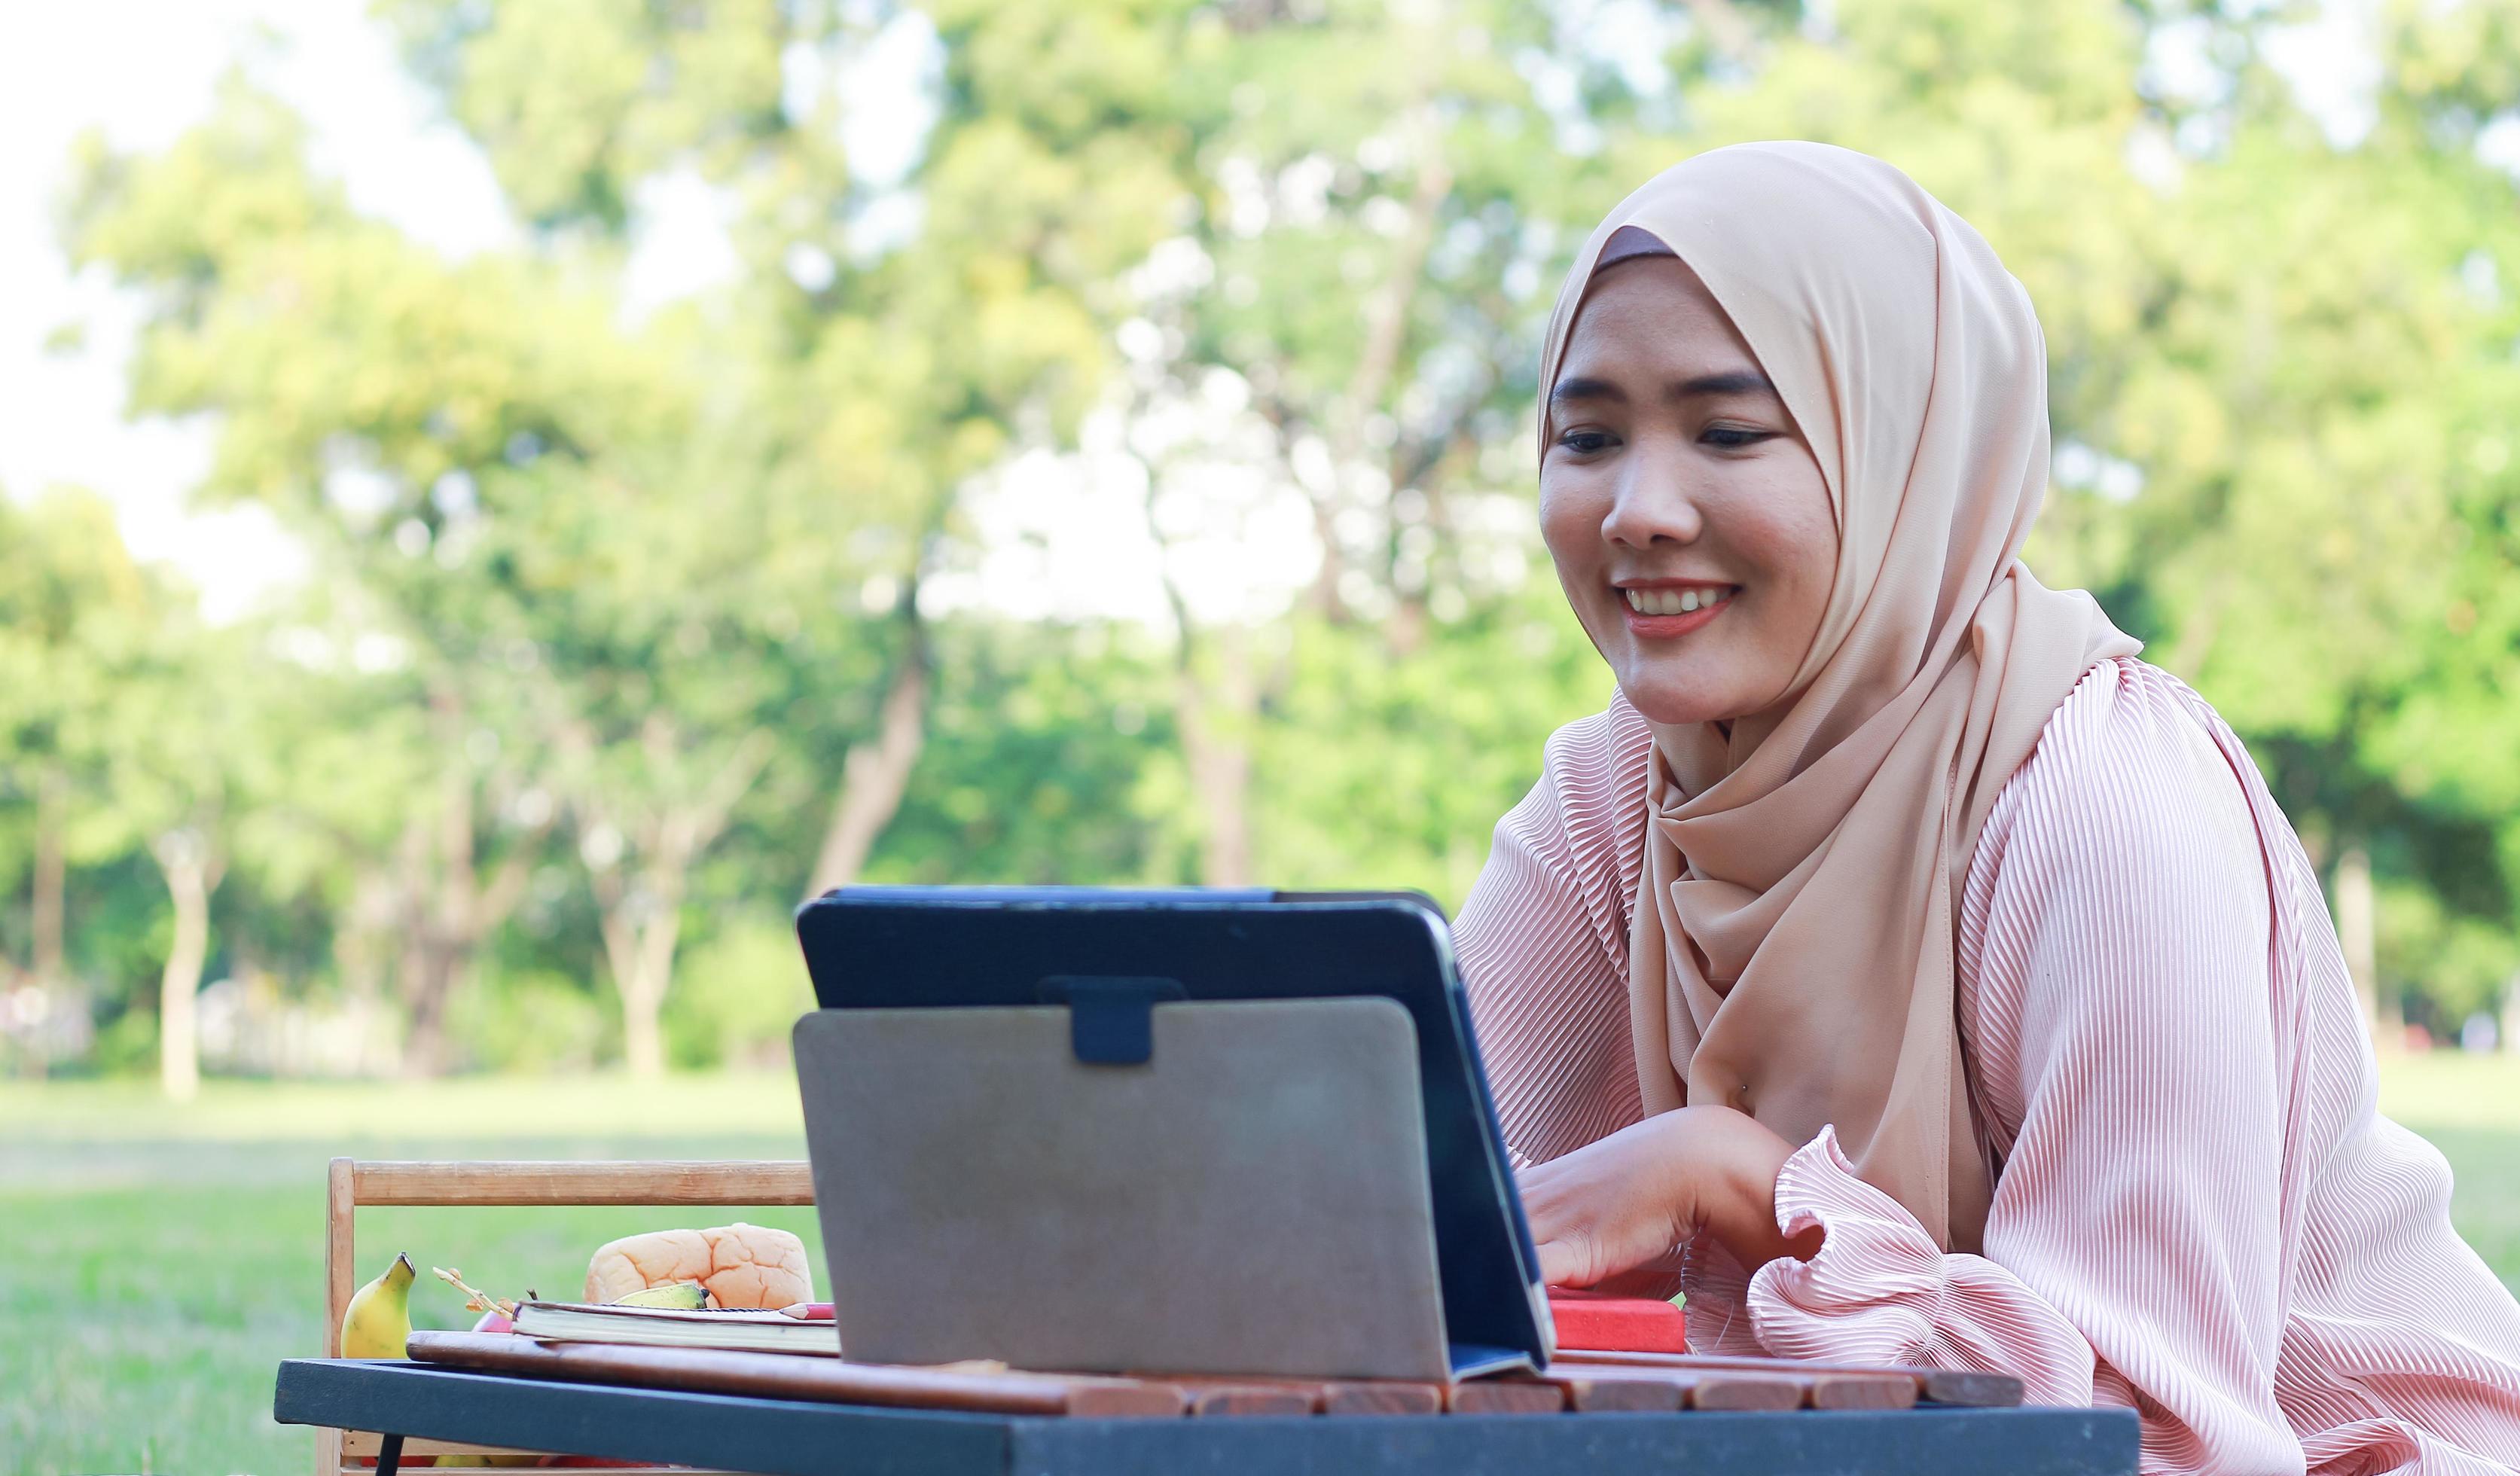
x=1377, y=360
x=877, y=772
x=2357, y=935
x=643, y=913
x=639, y=939
x=52, y=800
x=1215, y=721
x=431, y=970
x=192, y=875
x=452, y=909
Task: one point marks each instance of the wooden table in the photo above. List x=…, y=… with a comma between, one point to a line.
x=795, y=1438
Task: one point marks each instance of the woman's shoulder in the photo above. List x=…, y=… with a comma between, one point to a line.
x=1584, y=822
x=2133, y=767
x=1593, y=777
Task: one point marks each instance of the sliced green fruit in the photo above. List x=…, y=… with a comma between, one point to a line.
x=683, y=1296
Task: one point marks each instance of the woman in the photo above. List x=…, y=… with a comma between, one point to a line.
x=1899, y=965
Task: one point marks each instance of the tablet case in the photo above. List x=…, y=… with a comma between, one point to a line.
x=1011, y=947
x=1247, y=1196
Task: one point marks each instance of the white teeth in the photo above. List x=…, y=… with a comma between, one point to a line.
x=1673, y=602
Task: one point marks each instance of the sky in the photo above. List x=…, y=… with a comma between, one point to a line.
x=143, y=71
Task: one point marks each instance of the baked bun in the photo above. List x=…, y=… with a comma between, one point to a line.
x=740, y=1265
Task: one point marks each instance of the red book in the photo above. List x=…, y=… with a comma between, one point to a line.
x=1592, y=1321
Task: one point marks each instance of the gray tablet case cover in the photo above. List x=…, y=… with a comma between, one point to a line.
x=1251, y=1198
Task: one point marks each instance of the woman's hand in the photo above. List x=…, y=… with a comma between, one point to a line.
x=1613, y=1205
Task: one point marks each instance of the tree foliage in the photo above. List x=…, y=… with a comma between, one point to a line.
x=628, y=625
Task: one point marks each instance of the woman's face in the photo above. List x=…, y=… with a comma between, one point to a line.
x=1688, y=521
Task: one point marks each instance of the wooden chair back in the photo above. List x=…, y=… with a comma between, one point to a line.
x=353, y=1183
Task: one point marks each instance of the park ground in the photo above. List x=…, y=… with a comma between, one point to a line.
x=156, y=1266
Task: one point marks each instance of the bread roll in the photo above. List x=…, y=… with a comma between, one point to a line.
x=742, y=1265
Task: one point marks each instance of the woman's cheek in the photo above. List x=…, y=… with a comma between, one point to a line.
x=1791, y=538
x=1569, y=526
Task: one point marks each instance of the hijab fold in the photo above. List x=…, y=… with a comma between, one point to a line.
x=1792, y=951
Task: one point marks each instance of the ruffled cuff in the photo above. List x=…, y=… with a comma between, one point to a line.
x=1879, y=1288
x=1716, y=1288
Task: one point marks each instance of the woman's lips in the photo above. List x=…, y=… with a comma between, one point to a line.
x=1664, y=627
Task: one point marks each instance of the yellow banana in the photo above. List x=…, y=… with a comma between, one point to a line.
x=378, y=1323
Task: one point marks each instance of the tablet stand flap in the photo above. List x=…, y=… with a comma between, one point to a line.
x=1250, y=1196
x=1110, y=1021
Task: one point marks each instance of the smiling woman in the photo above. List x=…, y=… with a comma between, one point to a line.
x=1676, y=493
x=1899, y=965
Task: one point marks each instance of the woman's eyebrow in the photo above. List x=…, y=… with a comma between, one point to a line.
x=1585, y=390
x=1729, y=381
x=1732, y=381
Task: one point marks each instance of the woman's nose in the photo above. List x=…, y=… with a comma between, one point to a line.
x=1652, y=504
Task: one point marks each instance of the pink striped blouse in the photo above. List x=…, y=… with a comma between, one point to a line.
x=2198, y=1212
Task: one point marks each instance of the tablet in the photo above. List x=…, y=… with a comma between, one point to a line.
x=897, y=948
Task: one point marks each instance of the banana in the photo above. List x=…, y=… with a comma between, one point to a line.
x=378, y=1323
x=683, y=1296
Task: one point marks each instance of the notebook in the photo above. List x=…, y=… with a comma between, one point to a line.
x=671, y=1327
x=1317, y=1047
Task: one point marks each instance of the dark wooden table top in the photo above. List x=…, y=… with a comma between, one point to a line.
x=795, y=1438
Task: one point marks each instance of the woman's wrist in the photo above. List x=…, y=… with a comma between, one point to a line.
x=1732, y=1161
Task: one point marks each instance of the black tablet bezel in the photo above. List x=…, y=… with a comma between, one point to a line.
x=977, y=947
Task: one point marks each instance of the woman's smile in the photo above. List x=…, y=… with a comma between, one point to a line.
x=1662, y=609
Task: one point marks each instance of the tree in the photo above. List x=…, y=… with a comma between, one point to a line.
x=2278, y=369
x=72, y=604
x=362, y=384
x=883, y=374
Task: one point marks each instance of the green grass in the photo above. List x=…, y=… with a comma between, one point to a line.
x=156, y=1263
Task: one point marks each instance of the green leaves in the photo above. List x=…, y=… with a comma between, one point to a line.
x=635, y=593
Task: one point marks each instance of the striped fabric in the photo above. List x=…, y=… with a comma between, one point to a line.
x=2198, y=1211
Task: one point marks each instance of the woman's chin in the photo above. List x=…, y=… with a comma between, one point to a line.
x=1676, y=698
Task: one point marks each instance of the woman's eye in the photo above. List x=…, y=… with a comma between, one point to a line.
x=1584, y=442
x=1732, y=435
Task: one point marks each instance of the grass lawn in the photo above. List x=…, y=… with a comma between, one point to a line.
x=155, y=1265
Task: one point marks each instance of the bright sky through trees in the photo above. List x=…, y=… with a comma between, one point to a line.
x=143, y=71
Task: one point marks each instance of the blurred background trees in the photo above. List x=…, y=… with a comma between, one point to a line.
x=628, y=627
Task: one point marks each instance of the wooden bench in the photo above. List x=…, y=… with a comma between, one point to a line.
x=353, y=1183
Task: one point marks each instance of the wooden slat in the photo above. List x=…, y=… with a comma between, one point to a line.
x=779, y=1376
x=1863, y=1391
x=359, y=1446
x=1681, y=1388
x=1589, y=1394
x=449, y=1455
x=1234, y=1397
x=1328, y=1396
x=1942, y=1386
x=358, y=1443
x=632, y=1182
x=359, y=1457
x=1743, y=1389
x=1503, y=1396
x=1382, y=1396
x=340, y=1263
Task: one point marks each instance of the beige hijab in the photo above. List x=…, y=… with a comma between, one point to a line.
x=1793, y=938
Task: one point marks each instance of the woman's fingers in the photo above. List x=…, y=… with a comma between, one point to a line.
x=1561, y=1264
